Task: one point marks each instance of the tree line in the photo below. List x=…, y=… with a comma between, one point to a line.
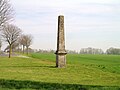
x=11, y=33
x=89, y=50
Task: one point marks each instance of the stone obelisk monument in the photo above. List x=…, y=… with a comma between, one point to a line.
x=60, y=53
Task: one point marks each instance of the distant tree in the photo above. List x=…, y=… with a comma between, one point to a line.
x=25, y=41
x=6, y=12
x=90, y=50
x=28, y=41
x=10, y=34
x=22, y=42
x=114, y=51
x=72, y=52
x=44, y=51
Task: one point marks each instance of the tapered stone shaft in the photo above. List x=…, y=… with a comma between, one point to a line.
x=60, y=53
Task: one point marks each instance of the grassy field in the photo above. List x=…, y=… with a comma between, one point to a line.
x=83, y=72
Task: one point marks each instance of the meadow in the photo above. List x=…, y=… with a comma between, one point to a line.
x=83, y=72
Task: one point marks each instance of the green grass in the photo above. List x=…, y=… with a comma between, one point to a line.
x=83, y=72
x=109, y=63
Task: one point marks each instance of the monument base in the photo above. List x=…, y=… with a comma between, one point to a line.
x=60, y=59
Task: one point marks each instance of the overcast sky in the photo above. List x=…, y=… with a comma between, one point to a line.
x=88, y=23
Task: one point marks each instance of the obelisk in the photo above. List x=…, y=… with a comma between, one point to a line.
x=60, y=53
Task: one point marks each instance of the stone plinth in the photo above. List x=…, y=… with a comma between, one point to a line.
x=60, y=53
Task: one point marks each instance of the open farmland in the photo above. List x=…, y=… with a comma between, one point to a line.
x=83, y=72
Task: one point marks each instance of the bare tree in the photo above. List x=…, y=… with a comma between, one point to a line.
x=14, y=47
x=22, y=42
x=28, y=41
x=6, y=12
x=10, y=34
